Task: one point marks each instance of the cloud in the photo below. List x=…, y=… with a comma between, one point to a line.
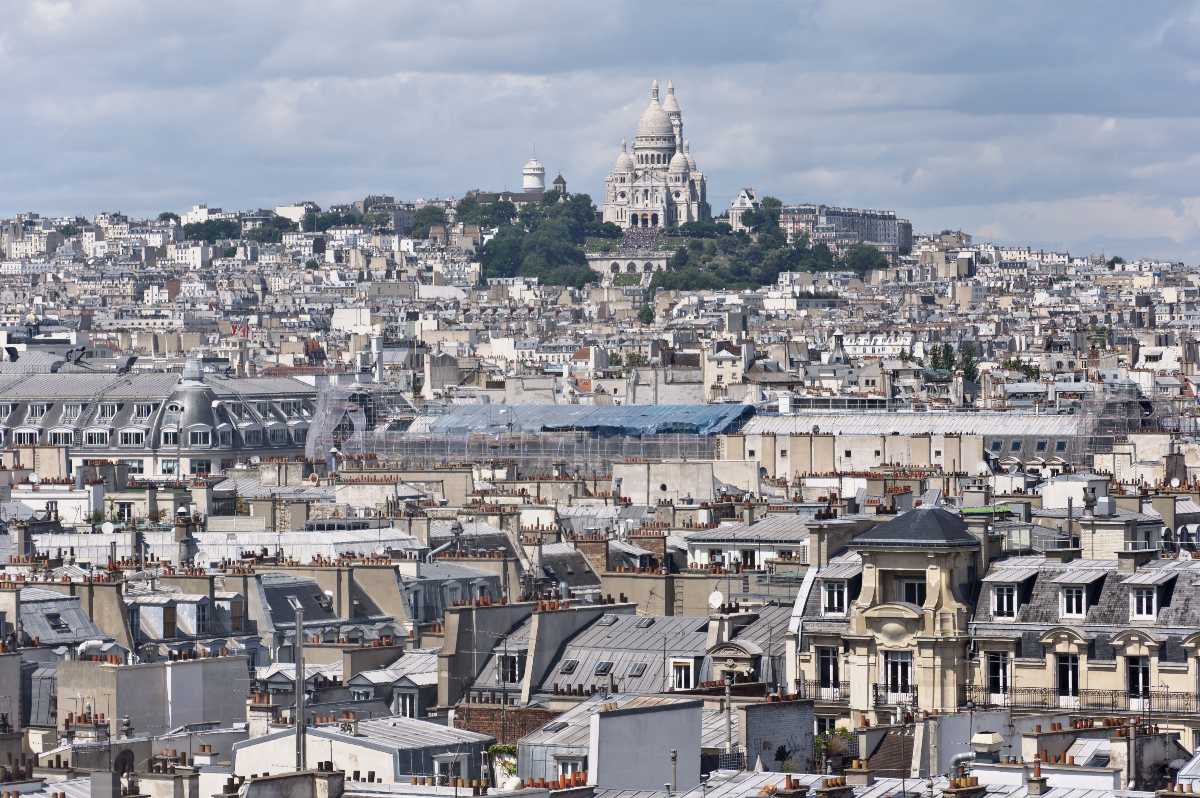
x=1068, y=124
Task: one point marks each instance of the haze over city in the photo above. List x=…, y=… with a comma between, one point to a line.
x=1069, y=125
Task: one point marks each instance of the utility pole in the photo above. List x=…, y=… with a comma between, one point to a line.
x=301, y=723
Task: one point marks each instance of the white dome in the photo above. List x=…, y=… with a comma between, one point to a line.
x=534, y=165
x=679, y=162
x=671, y=105
x=654, y=122
x=624, y=160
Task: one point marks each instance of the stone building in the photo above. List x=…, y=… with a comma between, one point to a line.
x=658, y=185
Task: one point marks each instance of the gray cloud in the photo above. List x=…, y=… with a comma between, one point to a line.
x=1067, y=124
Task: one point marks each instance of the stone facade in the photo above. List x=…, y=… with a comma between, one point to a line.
x=658, y=185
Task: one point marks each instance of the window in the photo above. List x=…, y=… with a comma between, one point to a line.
x=568, y=767
x=510, y=668
x=846, y=453
x=72, y=412
x=603, y=668
x=200, y=437
x=569, y=666
x=298, y=435
x=636, y=669
x=135, y=466
x=749, y=452
x=997, y=445
x=360, y=694
x=25, y=438
x=1073, y=603
x=783, y=452
x=897, y=675
x=133, y=438
x=1041, y=445
x=828, y=667
x=408, y=705
x=37, y=410
x=913, y=591
x=1137, y=673
x=1015, y=447
x=201, y=467
x=1142, y=601
x=1004, y=601
x=57, y=623
x=225, y=437
x=1060, y=446
x=143, y=410
x=826, y=725
x=61, y=438
x=95, y=437
x=170, y=437
x=108, y=410
x=279, y=436
x=835, y=598
x=997, y=673
x=253, y=437
x=169, y=467
x=681, y=675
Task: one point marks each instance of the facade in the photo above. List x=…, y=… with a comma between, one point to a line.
x=161, y=426
x=659, y=184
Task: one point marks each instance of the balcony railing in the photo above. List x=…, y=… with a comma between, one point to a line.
x=1047, y=698
x=829, y=692
x=884, y=696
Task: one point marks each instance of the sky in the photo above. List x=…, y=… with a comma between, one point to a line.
x=1069, y=125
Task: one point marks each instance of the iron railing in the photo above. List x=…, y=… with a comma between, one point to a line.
x=1046, y=698
x=828, y=692
x=883, y=696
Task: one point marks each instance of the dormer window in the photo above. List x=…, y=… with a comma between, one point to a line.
x=143, y=410
x=1074, y=601
x=72, y=411
x=1004, y=601
x=108, y=410
x=510, y=667
x=834, y=598
x=1143, y=604
x=37, y=410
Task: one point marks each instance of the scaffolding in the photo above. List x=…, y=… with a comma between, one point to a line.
x=373, y=421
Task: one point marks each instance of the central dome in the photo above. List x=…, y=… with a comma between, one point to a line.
x=654, y=122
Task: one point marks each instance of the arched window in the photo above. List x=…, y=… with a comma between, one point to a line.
x=654, y=219
x=615, y=268
x=647, y=267
x=631, y=267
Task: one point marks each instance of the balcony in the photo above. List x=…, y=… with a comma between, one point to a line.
x=1048, y=698
x=828, y=692
x=901, y=695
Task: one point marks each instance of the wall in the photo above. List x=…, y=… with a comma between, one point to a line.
x=157, y=696
x=629, y=748
x=470, y=635
x=10, y=688
x=765, y=727
x=506, y=724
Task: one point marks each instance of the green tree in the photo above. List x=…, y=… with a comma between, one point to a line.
x=425, y=217
x=646, y=314
x=212, y=230
x=947, y=356
x=863, y=258
x=968, y=361
x=168, y=216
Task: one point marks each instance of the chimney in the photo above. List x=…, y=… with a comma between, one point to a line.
x=205, y=757
x=1035, y=783
x=858, y=774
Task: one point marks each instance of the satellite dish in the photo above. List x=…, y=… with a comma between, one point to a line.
x=34, y=479
x=107, y=527
x=716, y=599
x=1174, y=482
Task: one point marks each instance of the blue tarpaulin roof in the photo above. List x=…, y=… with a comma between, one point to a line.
x=633, y=420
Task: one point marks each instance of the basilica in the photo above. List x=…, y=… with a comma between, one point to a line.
x=658, y=185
